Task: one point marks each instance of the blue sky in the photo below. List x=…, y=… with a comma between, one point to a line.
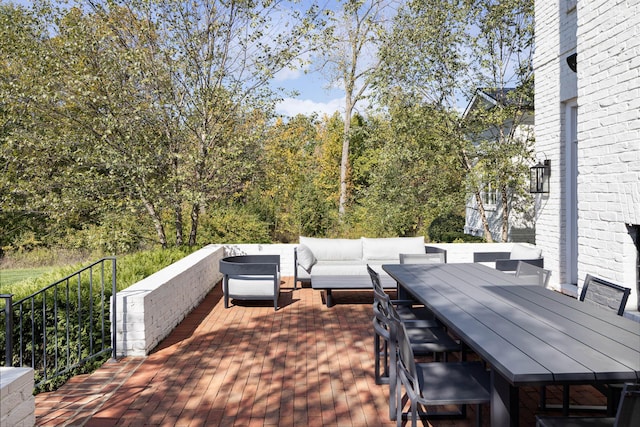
x=314, y=96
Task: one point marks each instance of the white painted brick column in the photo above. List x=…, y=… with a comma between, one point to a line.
x=17, y=403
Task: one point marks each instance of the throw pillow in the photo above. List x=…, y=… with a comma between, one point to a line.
x=306, y=259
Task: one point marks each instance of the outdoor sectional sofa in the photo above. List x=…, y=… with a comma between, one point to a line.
x=341, y=264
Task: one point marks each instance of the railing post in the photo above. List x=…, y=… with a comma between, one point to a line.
x=114, y=333
x=8, y=311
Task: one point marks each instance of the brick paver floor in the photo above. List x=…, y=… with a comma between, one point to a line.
x=304, y=365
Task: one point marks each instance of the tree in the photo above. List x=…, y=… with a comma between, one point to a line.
x=439, y=50
x=222, y=56
x=289, y=165
x=350, y=58
x=18, y=36
x=159, y=104
x=414, y=177
x=503, y=48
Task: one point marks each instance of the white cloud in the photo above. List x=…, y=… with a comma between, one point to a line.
x=288, y=74
x=291, y=107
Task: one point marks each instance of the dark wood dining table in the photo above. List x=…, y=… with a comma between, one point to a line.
x=528, y=335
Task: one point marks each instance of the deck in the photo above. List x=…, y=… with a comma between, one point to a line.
x=304, y=365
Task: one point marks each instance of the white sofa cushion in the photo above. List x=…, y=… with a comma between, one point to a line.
x=525, y=252
x=390, y=248
x=333, y=249
x=306, y=259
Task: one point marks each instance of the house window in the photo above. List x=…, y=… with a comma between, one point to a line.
x=489, y=196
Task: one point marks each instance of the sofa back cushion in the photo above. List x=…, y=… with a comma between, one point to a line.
x=333, y=249
x=525, y=252
x=390, y=248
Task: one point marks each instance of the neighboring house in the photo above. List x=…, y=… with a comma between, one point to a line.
x=588, y=125
x=521, y=222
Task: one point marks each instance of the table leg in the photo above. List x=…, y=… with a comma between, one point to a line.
x=504, y=402
x=402, y=293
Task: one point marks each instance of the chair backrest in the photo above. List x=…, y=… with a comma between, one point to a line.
x=426, y=258
x=490, y=256
x=628, y=414
x=602, y=293
x=381, y=319
x=407, y=369
x=248, y=265
x=375, y=279
x=436, y=250
x=533, y=274
x=381, y=300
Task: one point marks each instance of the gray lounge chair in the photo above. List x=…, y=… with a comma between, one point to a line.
x=251, y=277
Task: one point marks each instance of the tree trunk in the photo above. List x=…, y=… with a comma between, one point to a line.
x=157, y=223
x=483, y=213
x=179, y=225
x=177, y=206
x=195, y=215
x=483, y=216
x=505, y=214
x=344, y=162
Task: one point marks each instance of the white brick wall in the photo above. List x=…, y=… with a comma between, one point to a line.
x=609, y=132
x=150, y=309
x=606, y=36
x=550, y=92
x=17, y=403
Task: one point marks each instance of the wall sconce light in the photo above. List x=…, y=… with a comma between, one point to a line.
x=539, y=176
x=572, y=62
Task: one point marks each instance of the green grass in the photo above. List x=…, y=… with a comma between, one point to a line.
x=10, y=276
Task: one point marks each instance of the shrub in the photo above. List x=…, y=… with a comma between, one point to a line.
x=233, y=225
x=88, y=315
x=448, y=228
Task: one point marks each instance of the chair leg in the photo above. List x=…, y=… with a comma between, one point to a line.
x=414, y=414
x=543, y=398
x=376, y=358
x=394, y=386
x=399, y=405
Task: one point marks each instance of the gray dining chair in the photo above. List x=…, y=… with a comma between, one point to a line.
x=428, y=338
x=407, y=308
x=627, y=415
x=605, y=294
x=433, y=256
x=508, y=261
x=533, y=274
x=601, y=293
x=426, y=258
x=426, y=341
x=436, y=383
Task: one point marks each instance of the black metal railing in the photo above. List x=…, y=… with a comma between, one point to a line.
x=63, y=326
